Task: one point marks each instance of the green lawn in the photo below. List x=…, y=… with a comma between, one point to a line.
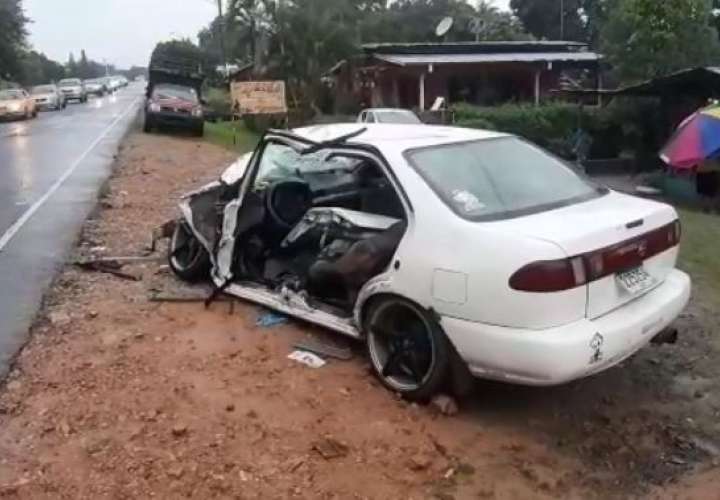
x=231, y=135
x=700, y=252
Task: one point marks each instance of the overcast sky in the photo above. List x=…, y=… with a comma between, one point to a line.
x=122, y=31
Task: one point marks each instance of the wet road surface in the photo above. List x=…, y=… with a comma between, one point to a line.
x=51, y=169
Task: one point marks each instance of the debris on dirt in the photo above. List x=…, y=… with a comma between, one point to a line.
x=118, y=262
x=107, y=267
x=179, y=430
x=445, y=405
x=307, y=358
x=323, y=349
x=330, y=448
x=270, y=319
x=175, y=472
x=58, y=318
x=15, y=385
x=419, y=462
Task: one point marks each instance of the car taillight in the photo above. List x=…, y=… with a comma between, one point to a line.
x=565, y=274
x=550, y=275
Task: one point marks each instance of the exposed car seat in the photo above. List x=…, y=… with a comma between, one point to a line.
x=343, y=278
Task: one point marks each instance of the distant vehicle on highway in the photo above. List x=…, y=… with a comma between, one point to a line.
x=176, y=106
x=121, y=81
x=73, y=89
x=110, y=84
x=48, y=97
x=16, y=103
x=388, y=115
x=96, y=86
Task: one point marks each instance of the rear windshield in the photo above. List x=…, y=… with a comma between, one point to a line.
x=11, y=94
x=43, y=89
x=73, y=81
x=175, y=92
x=500, y=178
x=396, y=117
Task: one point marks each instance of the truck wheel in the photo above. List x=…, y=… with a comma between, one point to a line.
x=408, y=350
x=200, y=131
x=147, y=126
x=187, y=257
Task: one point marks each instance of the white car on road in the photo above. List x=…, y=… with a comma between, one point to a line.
x=73, y=89
x=48, y=97
x=439, y=247
x=388, y=115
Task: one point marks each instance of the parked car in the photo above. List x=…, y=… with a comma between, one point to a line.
x=388, y=115
x=504, y=260
x=16, y=103
x=48, y=97
x=73, y=89
x=176, y=106
x=96, y=87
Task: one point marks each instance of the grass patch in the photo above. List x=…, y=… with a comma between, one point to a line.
x=231, y=135
x=699, y=252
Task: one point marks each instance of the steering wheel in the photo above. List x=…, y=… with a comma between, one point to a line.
x=287, y=201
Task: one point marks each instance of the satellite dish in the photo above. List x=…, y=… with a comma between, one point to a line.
x=444, y=26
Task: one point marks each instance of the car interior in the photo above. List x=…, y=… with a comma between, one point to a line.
x=324, y=223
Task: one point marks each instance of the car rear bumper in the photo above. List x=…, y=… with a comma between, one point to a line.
x=175, y=120
x=12, y=114
x=562, y=354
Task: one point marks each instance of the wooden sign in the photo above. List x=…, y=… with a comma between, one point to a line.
x=258, y=98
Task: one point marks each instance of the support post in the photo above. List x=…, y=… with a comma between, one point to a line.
x=537, y=87
x=421, y=104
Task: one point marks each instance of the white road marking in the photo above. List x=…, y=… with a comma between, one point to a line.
x=25, y=217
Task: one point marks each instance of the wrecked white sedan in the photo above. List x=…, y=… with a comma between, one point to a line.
x=440, y=247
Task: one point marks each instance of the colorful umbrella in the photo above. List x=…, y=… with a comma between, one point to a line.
x=696, y=140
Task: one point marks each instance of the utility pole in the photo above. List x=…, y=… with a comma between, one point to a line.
x=562, y=19
x=221, y=19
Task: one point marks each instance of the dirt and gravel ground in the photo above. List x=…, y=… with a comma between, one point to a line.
x=119, y=397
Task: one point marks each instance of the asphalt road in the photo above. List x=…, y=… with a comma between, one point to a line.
x=51, y=169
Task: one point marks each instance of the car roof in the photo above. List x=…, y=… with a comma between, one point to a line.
x=389, y=110
x=395, y=137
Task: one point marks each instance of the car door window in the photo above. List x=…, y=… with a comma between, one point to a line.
x=363, y=116
x=371, y=118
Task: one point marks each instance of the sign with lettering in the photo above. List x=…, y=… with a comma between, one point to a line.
x=258, y=98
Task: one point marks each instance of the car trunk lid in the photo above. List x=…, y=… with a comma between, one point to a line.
x=623, y=242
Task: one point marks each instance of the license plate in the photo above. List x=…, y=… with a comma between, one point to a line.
x=636, y=280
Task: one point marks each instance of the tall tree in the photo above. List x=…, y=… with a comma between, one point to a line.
x=71, y=67
x=553, y=19
x=83, y=66
x=647, y=38
x=38, y=69
x=12, y=38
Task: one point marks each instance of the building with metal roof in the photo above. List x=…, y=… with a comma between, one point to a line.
x=415, y=75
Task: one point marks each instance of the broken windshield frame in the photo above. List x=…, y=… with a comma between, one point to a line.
x=294, y=141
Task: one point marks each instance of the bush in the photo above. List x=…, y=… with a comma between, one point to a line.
x=540, y=124
x=624, y=126
x=219, y=101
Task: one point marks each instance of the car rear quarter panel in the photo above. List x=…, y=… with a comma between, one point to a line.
x=442, y=253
